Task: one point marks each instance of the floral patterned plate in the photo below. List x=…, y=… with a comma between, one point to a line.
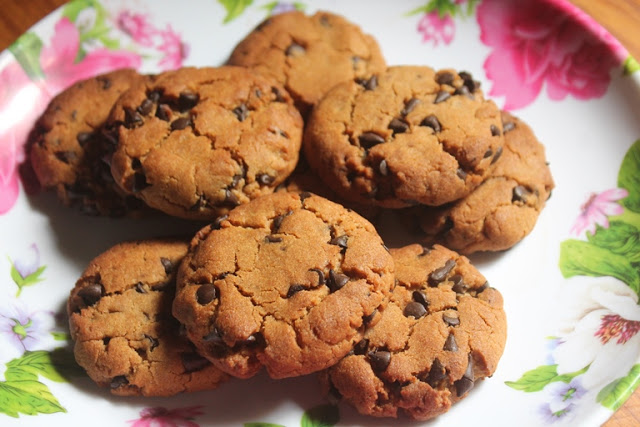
x=571, y=287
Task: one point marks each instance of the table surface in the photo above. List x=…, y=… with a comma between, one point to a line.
x=620, y=17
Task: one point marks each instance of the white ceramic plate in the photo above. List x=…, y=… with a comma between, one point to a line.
x=570, y=288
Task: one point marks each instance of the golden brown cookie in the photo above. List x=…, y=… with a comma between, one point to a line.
x=444, y=330
x=286, y=282
x=197, y=142
x=120, y=319
x=309, y=55
x=67, y=149
x=503, y=209
x=407, y=136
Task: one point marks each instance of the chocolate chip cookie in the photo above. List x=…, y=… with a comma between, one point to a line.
x=309, y=55
x=287, y=282
x=444, y=330
x=67, y=150
x=504, y=208
x=407, y=136
x=120, y=319
x=196, y=142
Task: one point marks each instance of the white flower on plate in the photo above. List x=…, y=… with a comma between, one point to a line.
x=603, y=335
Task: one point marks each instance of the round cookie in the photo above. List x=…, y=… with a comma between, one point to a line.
x=67, y=146
x=287, y=282
x=407, y=136
x=309, y=55
x=120, y=319
x=504, y=208
x=443, y=330
x=196, y=142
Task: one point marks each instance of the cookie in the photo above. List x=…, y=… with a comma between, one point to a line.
x=442, y=332
x=196, y=142
x=67, y=148
x=504, y=208
x=309, y=55
x=407, y=136
x=120, y=319
x=287, y=282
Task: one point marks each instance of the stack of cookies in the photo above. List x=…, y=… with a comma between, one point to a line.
x=284, y=151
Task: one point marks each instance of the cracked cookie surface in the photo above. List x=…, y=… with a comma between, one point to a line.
x=196, y=142
x=407, y=136
x=287, y=282
x=67, y=149
x=309, y=54
x=120, y=319
x=443, y=330
x=504, y=208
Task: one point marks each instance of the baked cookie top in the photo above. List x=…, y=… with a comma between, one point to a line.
x=67, y=148
x=196, y=142
x=407, y=136
x=120, y=319
x=287, y=282
x=443, y=330
x=309, y=55
x=505, y=207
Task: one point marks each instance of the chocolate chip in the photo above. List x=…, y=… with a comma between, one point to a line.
x=436, y=373
x=467, y=78
x=295, y=49
x=304, y=195
x=441, y=97
x=294, y=289
x=181, y=123
x=379, y=360
x=253, y=340
x=118, y=382
x=216, y=223
x=421, y=298
x=519, y=194
x=265, y=179
x=167, y=264
x=106, y=82
x=368, y=318
x=465, y=383
x=414, y=309
x=154, y=342
x=450, y=344
x=140, y=288
x=495, y=131
x=340, y=241
x=154, y=96
x=508, y=126
x=440, y=274
x=235, y=179
x=361, y=347
x=193, y=362
x=463, y=90
x=409, y=106
x=398, y=126
x=383, y=168
x=277, y=221
x=163, y=112
x=132, y=118
x=450, y=320
x=461, y=173
x=482, y=288
x=432, y=122
x=187, y=100
x=336, y=280
x=66, y=156
x=214, y=337
x=497, y=155
x=445, y=78
x=206, y=293
x=425, y=251
x=160, y=287
x=146, y=107
x=91, y=294
x=324, y=21
x=272, y=239
x=371, y=83
x=321, y=280
x=459, y=286
x=488, y=153
x=369, y=139
x=241, y=112
x=278, y=95
x=83, y=137
x=230, y=199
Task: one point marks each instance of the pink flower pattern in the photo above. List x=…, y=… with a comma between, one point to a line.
x=597, y=209
x=436, y=28
x=537, y=44
x=175, y=51
x=137, y=26
x=163, y=417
